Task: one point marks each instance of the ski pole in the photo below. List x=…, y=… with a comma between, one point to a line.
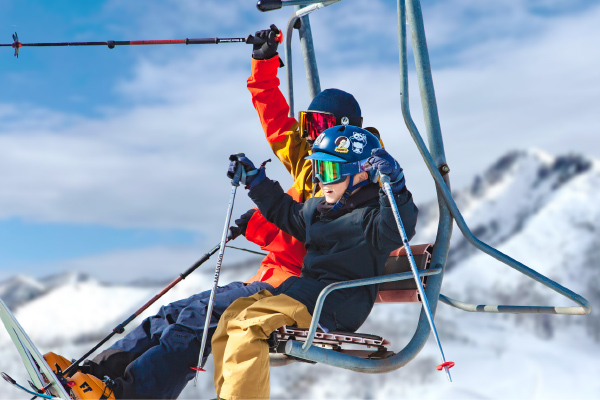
x=235, y=182
x=112, y=43
x=121, y=327
x=446, y=365
x=260, y=253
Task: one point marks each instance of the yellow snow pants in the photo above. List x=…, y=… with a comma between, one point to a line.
x=239, y=345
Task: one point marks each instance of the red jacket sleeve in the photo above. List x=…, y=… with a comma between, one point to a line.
x=268, y=100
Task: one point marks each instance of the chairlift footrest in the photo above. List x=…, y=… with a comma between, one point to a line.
x=332, y=338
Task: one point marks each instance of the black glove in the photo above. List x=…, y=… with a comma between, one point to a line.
x=242, y=224
x=268, y=47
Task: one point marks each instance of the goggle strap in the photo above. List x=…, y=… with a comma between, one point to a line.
x=358, y=185
x=352, y=168
x=342, y=201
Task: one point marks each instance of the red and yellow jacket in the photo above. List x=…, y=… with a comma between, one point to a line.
x=285, y=252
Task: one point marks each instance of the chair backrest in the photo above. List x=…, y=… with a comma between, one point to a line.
x=404, y=291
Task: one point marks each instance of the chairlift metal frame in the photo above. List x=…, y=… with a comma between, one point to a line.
x=435, y=159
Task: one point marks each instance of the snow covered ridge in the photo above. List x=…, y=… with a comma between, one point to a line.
x=500, y=201
x=21, y=289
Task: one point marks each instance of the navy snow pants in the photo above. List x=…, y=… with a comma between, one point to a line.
x=153, y=361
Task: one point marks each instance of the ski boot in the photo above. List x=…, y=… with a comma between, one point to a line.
x=80, y=386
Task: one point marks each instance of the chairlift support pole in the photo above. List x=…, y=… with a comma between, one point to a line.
x=411, y=10
x=308, y=52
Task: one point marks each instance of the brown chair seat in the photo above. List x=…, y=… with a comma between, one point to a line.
x=404, y=291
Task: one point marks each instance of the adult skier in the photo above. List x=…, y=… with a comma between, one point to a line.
x=153, y=361
x=348, y=233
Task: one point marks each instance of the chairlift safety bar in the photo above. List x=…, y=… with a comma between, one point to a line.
x=355, y=283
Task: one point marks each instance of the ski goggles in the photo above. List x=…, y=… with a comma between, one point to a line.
x=330, y=172
x=312, y=123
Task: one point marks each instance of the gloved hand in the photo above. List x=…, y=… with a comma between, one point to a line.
x=382, y=161
x=249, y=171
x=268, y=48
x=242, y=224
x=251, y=176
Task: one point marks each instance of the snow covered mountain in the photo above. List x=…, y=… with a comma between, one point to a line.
x=538, y=209
x=20, y=289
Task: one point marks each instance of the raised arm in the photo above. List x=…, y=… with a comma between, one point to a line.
x=280, y=130
x=274, y=204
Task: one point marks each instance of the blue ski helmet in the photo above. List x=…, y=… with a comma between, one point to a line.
x=342, y=151
x=341, y=104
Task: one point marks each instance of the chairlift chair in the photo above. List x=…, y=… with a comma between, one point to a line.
x=312, y=345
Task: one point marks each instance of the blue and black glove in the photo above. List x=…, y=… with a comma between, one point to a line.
x=251, y=176
x=382, y=161
x=266, y=46
x=242, y=225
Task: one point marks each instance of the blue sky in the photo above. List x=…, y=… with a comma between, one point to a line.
x=112, y=160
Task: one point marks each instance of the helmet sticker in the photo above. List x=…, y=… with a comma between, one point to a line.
x=345, y=120
x=319, y=139
x=359, y=141
x=341, y=144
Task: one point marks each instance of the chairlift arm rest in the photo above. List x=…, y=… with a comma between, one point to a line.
x=355, y=283
x=583, y=310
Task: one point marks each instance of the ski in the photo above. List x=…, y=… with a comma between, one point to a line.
x=38, y=369
x=10, y=380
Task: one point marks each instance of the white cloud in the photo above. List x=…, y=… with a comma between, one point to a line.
x=160, y=163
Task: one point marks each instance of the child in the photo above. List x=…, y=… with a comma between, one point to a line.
x=348, y=234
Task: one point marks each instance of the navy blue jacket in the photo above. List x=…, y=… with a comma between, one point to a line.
x=355, y=245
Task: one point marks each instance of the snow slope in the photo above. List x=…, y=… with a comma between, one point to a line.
x=540, y=210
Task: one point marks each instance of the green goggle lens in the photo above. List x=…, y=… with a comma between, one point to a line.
x=327, y=171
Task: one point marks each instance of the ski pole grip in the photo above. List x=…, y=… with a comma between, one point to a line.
x=384, y=178
x=202, y=41
x=238, y=175
x=239, y=169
